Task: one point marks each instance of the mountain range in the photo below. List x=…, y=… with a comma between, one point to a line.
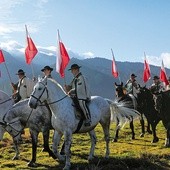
x=97, y=70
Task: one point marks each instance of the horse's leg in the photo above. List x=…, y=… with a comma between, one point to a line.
x=142, y=125
x=132, y=128
x=46, y=134
x=93, y=144
x=117, y=131
x=153, y=125
x=34, y=137
x=106, y=129
x=67, y=141
x=167, y=140
x=56, y=141
x=16, y=157
x=148, y=128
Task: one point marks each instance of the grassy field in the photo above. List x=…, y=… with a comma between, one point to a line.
x=125, y=154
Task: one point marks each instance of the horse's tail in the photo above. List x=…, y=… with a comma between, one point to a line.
x=121, y=113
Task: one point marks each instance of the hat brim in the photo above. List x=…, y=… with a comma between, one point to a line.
x=20, y=73
x=74, y=68
x=46, y=69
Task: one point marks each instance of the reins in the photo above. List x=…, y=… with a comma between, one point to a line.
x=6, y=101
x=45, y=89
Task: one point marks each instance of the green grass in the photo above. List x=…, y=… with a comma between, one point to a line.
x=125, y=154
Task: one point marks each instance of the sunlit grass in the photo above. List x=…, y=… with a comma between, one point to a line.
x=124, y=154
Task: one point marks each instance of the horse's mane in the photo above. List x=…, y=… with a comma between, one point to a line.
x=55, y=82
x=20, y=103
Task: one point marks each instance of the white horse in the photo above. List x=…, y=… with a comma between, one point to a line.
x=21, y=116
x=64, y=119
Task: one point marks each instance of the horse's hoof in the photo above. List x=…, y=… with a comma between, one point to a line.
x=142, y=135
x=32, y=164
x=67, y=167
x=155, y=140
x=114, y=140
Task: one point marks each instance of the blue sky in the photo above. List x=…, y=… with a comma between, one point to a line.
x=129, y=27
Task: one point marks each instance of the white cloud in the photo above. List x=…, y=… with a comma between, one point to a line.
x=157, y=60
x=11, y=45
x=88, y=55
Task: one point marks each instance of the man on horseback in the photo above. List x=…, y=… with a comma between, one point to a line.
x=47, y=71
x=24, y=86
x=157, y=85
x=79, y=91
x=132, y=85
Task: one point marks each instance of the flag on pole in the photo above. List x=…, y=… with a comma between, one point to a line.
x=30, y=50
x=163, y=76
x=146, y=72
x=2, y=59
x=114, y=68
x=62, y=59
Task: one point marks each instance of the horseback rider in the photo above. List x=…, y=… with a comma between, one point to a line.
x=23, y=88
x=132, y=85
x=79, y=91
x=157, y=85
x=47, y=71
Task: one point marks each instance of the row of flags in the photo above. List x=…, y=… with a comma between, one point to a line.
x=31, y=51
x=63, y=59
x=146, y=71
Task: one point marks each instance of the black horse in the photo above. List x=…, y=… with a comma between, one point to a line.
x=162, y=105
x=146, y=105
x=131, y=101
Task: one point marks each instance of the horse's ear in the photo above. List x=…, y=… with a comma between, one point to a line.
x=116, y=84
x=121, y=83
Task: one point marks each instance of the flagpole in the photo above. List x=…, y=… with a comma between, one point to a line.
x=116, y=67
x=59, y=39
x=8, y=72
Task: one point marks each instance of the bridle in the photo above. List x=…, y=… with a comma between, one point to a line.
x=39, y=98
x=6, y=124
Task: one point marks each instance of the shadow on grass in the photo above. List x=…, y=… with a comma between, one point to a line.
x=146, y=162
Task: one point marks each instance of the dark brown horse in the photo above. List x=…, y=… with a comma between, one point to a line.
x=147, y=107
x=162, y=105
x=131, y=103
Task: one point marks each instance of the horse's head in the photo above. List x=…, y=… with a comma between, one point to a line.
x=14, y=128
x=39, y=94
x=119, y=89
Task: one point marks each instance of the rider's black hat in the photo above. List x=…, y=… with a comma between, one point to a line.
x=133, y=75
x=20, y=71
x=156, y=78
x=47, y=68
x=74, y=66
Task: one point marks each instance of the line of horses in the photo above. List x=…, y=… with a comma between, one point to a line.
x=49, y=107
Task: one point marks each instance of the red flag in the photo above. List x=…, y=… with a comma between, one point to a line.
x=146, y=72
x=1, y=57
x=163, y=76
x=62, y=60
x=30, y=50
x=114, y=68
